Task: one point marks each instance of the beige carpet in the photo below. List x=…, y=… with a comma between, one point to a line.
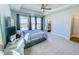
x=55, y=45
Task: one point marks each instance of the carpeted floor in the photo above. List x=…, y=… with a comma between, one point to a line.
x=55, y=45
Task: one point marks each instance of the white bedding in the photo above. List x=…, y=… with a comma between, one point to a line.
x=1, y=50
x=34, y=35
x=15, y=49
x=1, y=53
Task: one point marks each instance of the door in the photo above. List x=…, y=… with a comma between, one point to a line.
x=49, y=25
x=75, y=26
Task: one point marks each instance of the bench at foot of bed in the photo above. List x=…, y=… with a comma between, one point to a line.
x=34, y=42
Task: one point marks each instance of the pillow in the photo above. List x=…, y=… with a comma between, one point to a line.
x=12, y=37
x=26, y=38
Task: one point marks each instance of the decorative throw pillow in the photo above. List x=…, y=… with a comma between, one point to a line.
x=26, y=38
x=13, y=37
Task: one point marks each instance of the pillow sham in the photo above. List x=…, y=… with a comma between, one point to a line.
x=13, y=37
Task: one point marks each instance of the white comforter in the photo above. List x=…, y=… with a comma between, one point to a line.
x=1, y=53
x=1, y=50
x=34, y=35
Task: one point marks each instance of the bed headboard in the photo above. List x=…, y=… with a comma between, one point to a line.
x=10, y=31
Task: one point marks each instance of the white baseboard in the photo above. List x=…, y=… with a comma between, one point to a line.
x=61, y=35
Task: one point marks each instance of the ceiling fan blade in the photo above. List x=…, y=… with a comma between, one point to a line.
x=47, y=8
x=44, y=5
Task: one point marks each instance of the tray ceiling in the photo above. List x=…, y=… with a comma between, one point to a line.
x=37, y=7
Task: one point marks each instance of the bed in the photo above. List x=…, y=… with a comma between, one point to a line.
x=1, y=50
x=34, y=37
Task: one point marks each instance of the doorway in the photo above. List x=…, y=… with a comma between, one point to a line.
x=49, y=24
x=75, y=28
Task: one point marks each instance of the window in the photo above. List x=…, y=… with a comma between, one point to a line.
x=24, y=22
x=38, y=23
x=10, y=22
x=33, y=23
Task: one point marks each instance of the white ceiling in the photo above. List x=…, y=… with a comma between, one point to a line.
x=37, y=7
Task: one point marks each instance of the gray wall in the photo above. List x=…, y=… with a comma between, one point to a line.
x=61, y=21
x=0, y=34
x=24, y=13
x=13, y=13
x=4, y=13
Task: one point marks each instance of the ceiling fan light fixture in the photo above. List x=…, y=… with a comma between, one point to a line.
x=44, y=7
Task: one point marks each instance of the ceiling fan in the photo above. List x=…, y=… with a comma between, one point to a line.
x=45, y=7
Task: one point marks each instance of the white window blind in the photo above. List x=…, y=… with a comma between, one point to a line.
x=38, y=23
x=24, y=22
x=33, y=23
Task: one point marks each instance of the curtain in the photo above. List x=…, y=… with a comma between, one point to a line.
x=41, y=23
x=18, y=22
x=30, y=26
x=35, y=22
